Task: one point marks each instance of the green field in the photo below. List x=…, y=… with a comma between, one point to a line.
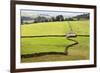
x=54, y=44
x=55, y=28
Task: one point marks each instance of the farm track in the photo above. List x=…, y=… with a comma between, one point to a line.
x=52, y=53
x=75, y=43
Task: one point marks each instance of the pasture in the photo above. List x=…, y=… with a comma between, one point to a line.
x=32, y=45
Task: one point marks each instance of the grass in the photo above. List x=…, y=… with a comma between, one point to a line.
x=77, y=52
x=55, y=28
x=54, y=44
x=43, y=44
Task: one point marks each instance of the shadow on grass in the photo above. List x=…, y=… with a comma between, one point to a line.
x=42, y=54
x=51, y=36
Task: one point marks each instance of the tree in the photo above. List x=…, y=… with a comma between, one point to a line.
x=60, y=18
x=69, y=19
x=53, y=19
x=66, y=19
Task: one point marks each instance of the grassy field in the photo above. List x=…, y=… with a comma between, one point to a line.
x=54, y=44
x=55, y=28
x=43, y=44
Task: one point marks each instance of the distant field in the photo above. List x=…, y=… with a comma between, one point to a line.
x=54, y=44
x=55, y=28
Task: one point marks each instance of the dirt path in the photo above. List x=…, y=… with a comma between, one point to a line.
x=75, y=43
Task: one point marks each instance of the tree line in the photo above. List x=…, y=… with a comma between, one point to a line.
x=52, y=19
